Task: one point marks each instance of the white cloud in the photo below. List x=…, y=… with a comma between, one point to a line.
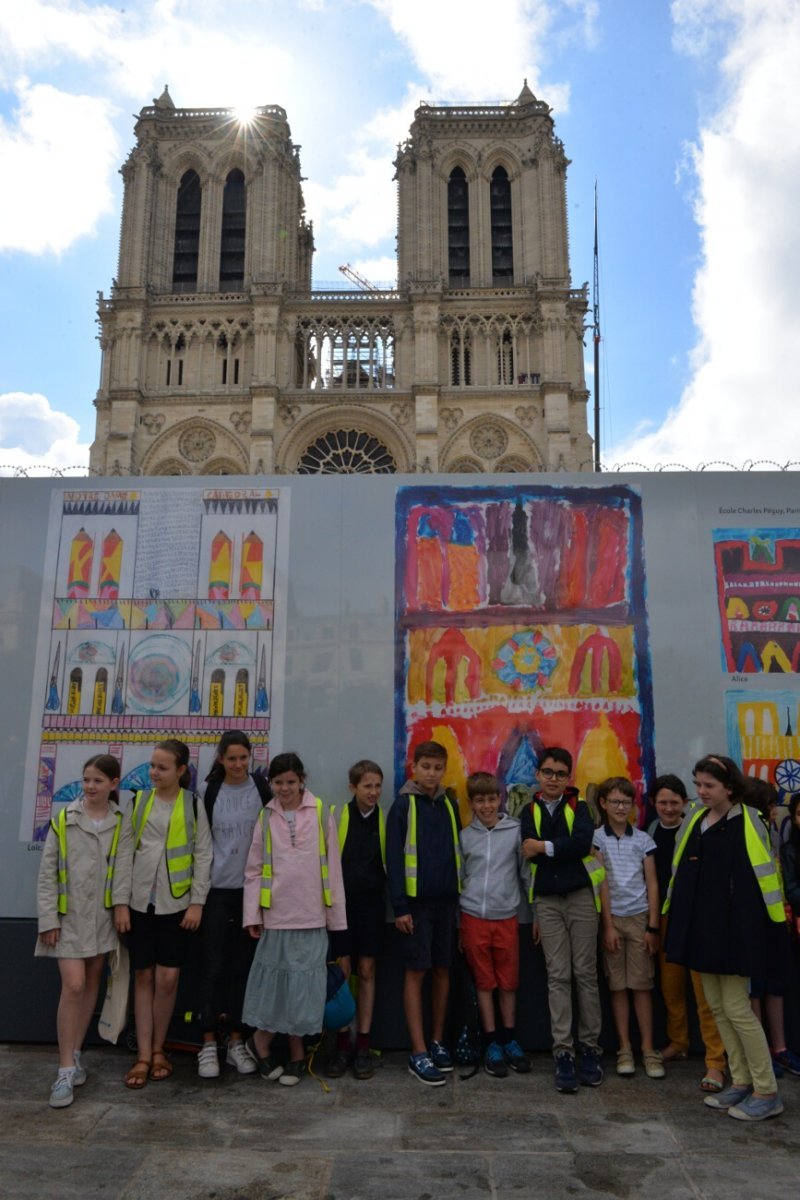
x=34, y=437
x=741, y=402
x=55, y=159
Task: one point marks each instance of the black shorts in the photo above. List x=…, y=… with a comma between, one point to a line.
x=157, y=940
x=433, y=941
x=366, y=917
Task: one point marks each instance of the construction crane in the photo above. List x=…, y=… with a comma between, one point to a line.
x=359, y=280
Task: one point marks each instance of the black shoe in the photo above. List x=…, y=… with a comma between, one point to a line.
x=363, y=1067
x=566, y=1079
x=337, y=1064
x=591, y=1072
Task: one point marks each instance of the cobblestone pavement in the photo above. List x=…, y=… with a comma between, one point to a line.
x=390, y=1138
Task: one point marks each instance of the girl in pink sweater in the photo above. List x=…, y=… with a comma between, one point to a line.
x=293, y=897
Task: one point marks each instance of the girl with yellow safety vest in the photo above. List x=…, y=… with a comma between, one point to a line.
x=726, y=916
x=293, y=897
x=75, y=906
x=167, y=884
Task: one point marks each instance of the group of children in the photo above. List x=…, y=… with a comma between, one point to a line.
x=283, y=883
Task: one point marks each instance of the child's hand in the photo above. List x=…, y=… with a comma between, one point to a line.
x=531, y=847
x=537, y=933
x=404, y=924
x=192, y=917
x=651, y=941
x=254, y=931
x=611, y=940
x=50, y=937
x=122, y=918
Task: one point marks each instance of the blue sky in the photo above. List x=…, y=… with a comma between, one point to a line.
x=684, y=113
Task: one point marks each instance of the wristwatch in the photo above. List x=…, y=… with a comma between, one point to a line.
x=652, y=929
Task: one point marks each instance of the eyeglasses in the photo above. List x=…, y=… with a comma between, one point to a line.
x=549, y=773
x=619, y=803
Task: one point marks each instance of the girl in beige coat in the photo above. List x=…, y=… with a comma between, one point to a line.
x=77, y=923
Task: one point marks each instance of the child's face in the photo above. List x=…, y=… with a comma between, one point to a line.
x=486, y=807
x=428, y=773
x=97, y=787
x=367, y=791
x=553, y=778
x=617, y=808
x=235, y=761
x=165, y=771
x=712, y=792
x=288, y=788
x=669, y=806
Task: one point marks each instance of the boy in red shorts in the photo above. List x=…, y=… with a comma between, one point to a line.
x=490, y=898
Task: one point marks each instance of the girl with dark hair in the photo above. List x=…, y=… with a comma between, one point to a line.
x=293, y=897
x=77, y=921
x=167, y=884
x=725, y=920
x=667, y=795
x=233, y=799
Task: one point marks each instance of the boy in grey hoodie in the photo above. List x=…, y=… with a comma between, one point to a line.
x=490, y=898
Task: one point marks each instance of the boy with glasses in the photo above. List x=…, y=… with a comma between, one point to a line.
x=631, y=921
x=557, y=831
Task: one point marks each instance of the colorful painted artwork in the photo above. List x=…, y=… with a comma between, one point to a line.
x=758, y=588
x=764, y=736
x=521, y=623
x=158, y=620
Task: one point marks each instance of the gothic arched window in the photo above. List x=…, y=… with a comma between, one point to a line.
x=346, y=452
x=187, y=233
x=502, y=247
x=458, y=228
x=231, y=253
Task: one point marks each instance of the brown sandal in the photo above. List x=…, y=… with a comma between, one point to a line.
x=160, y=1068
x=138, y=1075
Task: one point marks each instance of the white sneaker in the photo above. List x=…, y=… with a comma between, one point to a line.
x=79, y=1078
x=208, y=1061
x=237, y=1056
x=61, y=1093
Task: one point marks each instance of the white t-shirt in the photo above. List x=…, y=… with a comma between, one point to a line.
x=623, y=858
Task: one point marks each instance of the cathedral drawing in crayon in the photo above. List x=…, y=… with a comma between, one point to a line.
x=521, y=624
x=159, y=621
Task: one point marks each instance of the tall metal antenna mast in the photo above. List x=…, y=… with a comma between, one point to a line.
x=596, y=327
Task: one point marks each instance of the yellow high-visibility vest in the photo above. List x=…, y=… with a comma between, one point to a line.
x=593, y=867
x=343, y=827
x=59, y=827
x=410, y=861
x=181, y=833
x=758, y=854
x=265, y=895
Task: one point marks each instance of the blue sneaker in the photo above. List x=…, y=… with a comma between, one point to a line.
x=79, y=1078
x=754, y=1108
x=421, y=1066
x=494, y=1062
x=566, y=1079
x=732, y=1095
x=777, y=1069
x=591, y=1073
x=787, y=1060
x=441, y=1057
x=516, y=1058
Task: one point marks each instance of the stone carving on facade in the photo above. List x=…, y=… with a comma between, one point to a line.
x=289, y=413
x=402, y=413
x=241, y=421
x=526, y=416
x=451, y=417
x=197, y=444
x=488, y=440
x=153, y=422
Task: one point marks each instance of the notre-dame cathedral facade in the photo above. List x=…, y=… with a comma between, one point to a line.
x=219, y=357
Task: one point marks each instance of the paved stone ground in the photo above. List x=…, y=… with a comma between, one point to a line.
x=240, y=1138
